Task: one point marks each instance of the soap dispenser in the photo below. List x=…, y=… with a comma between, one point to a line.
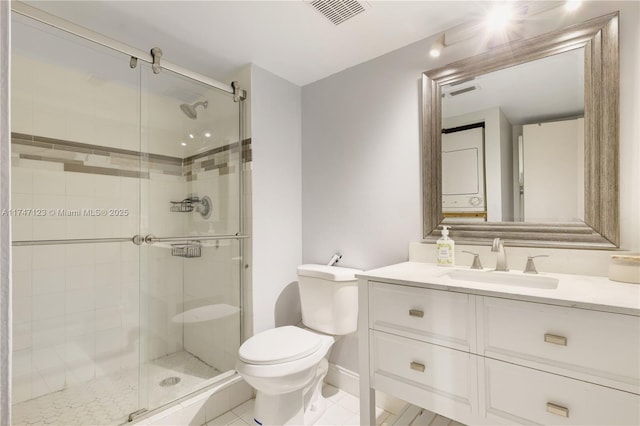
x=445, y=248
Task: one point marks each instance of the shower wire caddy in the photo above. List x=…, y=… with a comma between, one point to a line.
x=184, y=206
x=191, y=203
x=190, y=249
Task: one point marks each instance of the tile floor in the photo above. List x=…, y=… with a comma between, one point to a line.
x=342, y=410
x=108, y=400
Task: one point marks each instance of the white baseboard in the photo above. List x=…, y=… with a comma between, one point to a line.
x=349, y=382
x=343, y=379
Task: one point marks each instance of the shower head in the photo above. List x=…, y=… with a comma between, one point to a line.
x=190, y=110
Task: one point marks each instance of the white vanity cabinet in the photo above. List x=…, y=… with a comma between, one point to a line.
x=421, y=344
x=440, y=317
x=480, y=355
x=598, y=347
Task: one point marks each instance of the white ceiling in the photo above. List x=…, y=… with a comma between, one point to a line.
x=538, y=91
x=288, y=38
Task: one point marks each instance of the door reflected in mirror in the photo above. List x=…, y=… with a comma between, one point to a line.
x=513, y=143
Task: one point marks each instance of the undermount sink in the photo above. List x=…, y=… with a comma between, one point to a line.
x=493, y=277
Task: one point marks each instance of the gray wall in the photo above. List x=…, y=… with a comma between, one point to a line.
x=276, y=188
x=361, y=160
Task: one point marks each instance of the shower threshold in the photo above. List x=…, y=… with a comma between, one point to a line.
x=108, y=400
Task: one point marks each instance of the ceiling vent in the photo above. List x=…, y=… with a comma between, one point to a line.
x=338, y=11
x=451, y=93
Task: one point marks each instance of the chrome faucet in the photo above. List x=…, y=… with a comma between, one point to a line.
x=530, y=268
x=476, y=260
x=501, y=262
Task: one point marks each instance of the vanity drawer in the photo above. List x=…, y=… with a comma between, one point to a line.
x=522, y=395
x=439, y=379
x=595, y=346
x=440, y=317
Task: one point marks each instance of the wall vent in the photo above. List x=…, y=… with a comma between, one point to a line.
x=338, y=11
x=461, y=91
x=448, y=93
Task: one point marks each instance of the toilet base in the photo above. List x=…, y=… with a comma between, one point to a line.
x=315, y=411
x=315, y=404
x=300, y=407
x=278, y=410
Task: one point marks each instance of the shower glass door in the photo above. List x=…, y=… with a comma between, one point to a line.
x=75, y=109
x=191, y=261
x=104, y=150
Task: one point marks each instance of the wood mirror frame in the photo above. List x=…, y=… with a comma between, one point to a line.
x=600, y=230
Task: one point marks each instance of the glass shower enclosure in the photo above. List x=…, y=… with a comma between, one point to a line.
x=127, y=231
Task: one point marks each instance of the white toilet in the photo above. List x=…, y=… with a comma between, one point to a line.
x=286, y=365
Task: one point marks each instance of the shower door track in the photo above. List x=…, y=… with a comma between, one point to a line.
x=149, y=239
x=87, y=34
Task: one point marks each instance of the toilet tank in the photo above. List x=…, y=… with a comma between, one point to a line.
x=329, y=298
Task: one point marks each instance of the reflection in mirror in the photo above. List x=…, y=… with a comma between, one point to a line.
x=540, y=167
x=513, y=143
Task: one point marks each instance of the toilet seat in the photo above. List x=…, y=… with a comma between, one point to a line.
x=279, y=345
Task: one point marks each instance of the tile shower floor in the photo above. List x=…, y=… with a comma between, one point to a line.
x=108, y=400
x=342, y=410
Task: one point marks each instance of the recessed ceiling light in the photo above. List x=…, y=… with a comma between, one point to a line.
x=191, y=136
x=499, y=17
x=572, y=5
x=437, y=46
x=183, y=143
x=207, y=135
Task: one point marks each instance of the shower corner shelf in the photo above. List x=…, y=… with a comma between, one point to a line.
x=190, y=249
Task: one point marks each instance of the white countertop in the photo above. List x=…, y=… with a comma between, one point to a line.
x=579, y=291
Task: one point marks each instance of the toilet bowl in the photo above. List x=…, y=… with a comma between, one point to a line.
x=281, y=364
x=287, y=365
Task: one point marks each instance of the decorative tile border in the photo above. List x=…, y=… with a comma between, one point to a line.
x=96, y=159
x=223, y=159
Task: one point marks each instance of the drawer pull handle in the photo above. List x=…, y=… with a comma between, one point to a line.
x=417, y=366
x=416, y=313
x=556, y=340
x=558, y=410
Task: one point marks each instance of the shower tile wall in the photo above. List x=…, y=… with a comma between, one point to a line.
x=75, y=315
x=64, y=103
x=77, y=307
x=86, y=296
x=74, y=306
x=217, y=345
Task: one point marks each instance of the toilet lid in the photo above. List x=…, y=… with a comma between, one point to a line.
x=278, y=345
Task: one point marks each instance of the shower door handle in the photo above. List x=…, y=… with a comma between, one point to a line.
x=136, y=239
x=151, y=239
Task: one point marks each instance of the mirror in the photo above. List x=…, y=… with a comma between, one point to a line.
x=535, y=162
x=513, y=143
